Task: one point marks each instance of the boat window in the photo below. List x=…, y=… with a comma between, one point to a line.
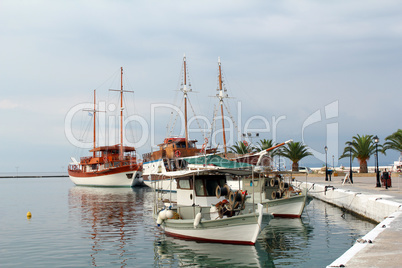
x=184, y=184
x=211, y=187
x=182, y=164
x=199, y=187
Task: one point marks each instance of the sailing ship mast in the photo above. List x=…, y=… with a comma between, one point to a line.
x=185, y=91
x=94, y=111
x=121, y=112
x=221, y=96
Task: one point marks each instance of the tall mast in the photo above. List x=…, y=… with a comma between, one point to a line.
x=185, y=90
x=94, y=121
x=221, y=95
x=121, y=113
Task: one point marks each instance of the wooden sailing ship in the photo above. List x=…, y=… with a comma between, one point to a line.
x=110, y=166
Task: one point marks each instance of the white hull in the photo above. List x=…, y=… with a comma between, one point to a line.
x=241, y=229
x=112, y=180
x=162, y=185
x=291, y=207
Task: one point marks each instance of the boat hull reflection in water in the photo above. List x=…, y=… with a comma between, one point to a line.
x=171, y=251
x=111, y=218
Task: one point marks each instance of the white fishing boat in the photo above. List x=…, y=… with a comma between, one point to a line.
x=275, y=191
x=201, y=215
x=109, y=166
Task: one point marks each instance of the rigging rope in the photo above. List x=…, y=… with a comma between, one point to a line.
x=199, y=125
x=231, y=117
x=177, y=115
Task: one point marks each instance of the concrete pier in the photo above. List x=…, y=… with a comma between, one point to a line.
x=381, y=247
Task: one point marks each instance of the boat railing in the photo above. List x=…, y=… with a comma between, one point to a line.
x=146, y=157
x=86, y=159
x=74, y=167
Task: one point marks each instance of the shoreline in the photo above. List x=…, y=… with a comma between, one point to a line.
x=33, y=176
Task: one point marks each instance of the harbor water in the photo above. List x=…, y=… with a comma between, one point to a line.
x=113, y=227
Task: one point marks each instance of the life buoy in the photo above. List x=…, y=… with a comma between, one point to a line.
x=218, y=191
x=281, y=185
x=232, y=198
x=245, y=143
x=177, y=153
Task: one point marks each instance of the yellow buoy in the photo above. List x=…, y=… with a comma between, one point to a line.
x=29, y=215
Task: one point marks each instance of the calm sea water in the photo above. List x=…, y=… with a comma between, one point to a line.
x=113, y=227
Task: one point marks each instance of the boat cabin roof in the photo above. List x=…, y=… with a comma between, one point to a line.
x=112, y=148
x=176, y=140
x=222, y=171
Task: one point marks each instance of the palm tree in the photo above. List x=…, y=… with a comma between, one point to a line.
x=264, y=144
x=294, y=151
x=241, y=148
x=393, y=142
x=361, y=147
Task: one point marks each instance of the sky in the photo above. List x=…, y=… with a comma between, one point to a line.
x=319, y=72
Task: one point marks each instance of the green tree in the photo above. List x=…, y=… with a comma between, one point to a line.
x=393, y=142
x=264, y=144
x=361, y=147
x=294, y=151
x=241, y=148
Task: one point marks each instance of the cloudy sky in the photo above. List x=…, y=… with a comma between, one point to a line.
x=314, y=71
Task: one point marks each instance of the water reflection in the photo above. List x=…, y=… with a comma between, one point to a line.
x=117, y=229
x=175, y=252
x=322, y=234
x=109, y=217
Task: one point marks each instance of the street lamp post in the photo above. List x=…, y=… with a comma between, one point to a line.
x=350, y=163
x=376, y=140
x=279, y=162
x=326, y=165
